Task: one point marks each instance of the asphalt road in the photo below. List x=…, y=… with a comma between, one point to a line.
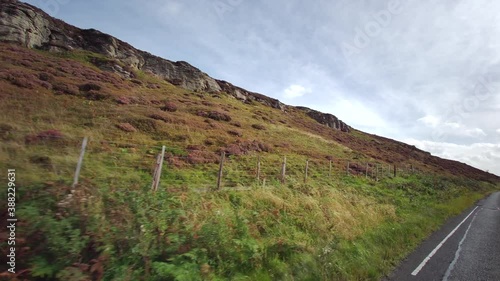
x=466, y=248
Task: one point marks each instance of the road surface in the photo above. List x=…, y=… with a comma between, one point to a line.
x=466, y=248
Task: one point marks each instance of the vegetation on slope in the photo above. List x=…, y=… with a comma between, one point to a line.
x=112, y=227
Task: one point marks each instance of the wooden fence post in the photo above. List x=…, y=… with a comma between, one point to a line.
x=155, y=173
x=283, y=171
x=159, y=168
x=258, y=170
x=306, y=171
x=330, y=170
x=395, y=170
x=221, y=167
x=348, y=167
x=80, y=161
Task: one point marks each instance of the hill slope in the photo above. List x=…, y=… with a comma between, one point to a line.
x=352, y=219
x=29, y=26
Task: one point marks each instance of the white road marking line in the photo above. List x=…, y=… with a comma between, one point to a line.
x=457, y=253
x=422, y=264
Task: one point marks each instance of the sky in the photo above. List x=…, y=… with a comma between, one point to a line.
x=423, y=72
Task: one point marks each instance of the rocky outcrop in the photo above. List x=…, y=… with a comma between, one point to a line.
x=22, y=25
x=26, y=25
x=247, y=96
x=29, y=26
x=326, y=119
x=179, y=73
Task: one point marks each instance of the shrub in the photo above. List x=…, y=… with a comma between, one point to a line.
x=153, y=86
x=6, y=131
x=202, y=157
x=44, y=76
x=215, y=115
x=235, y=133
x=161, y=117
x=20, y=79
x=132, y=100
x=50, y=135
x=241, y=148
x=95, y=95
x=123, y=100
x=259, y=127
x=135, y=81
x=22, y=83
x=90, y=87
x=180, y=138
x=169, y=106
x=46, y=85
x=43, y=161
x=126, y=127
x=62, y=88
x=146, y=125
x=234, y=149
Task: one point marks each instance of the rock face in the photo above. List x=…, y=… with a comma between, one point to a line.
x=326, y=119
x=26, y=25
x=247, y=96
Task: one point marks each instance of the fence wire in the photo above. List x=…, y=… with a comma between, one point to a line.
x=53, y=156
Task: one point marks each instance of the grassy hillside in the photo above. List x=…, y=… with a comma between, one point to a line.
x=339, y=225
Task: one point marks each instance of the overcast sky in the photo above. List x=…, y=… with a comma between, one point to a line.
x=419, y=71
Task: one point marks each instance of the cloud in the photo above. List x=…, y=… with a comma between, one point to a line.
x=498, y=131
x=430, y=121
x=475, y=133
x=355, y=113
x=450, y=128
x=484, y=156
x=295, y=91
x=171, y=8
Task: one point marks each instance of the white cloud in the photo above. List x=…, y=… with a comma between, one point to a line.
x=484, y=156
x=498, y=131
x=430, y=121
x=475, y=133
x=452, y=129
x=356, y=114
x=171, y=8
x=453, y=125
x=295, y=91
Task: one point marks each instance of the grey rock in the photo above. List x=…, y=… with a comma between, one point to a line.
x=327, y=119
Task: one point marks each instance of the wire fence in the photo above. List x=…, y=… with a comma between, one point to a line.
x=49, y=155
